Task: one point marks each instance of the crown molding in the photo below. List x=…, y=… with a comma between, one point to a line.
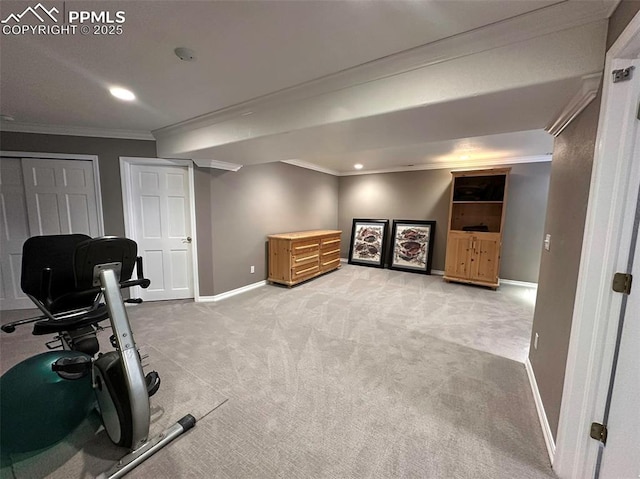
x=585, y=95
x=218, y=165
x=455, y=164
x=311, y=166
x=554, y=18
x=75, y=131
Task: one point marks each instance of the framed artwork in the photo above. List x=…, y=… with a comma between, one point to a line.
x=368, y=242
x=412, y=245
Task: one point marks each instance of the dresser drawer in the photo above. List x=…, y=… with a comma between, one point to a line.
x=330, y=243
x=300, y=259
x=304, y=246
x=302, y=270
x=331, y=261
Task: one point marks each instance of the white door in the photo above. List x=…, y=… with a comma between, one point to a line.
x=621, y=454
x=41, y=197
x=15, y=230
x=160, y=197
x=61, y=196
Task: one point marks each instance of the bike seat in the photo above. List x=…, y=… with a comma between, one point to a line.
x=50, y=326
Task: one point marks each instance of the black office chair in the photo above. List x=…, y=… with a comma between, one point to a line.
x=49, y=279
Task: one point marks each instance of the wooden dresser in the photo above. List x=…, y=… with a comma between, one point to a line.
x=302, y=255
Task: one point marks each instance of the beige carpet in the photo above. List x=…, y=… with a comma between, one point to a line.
x=360, y=373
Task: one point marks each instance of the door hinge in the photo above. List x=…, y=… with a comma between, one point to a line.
x=622, y=283
x=598, y=432
x=622, y=74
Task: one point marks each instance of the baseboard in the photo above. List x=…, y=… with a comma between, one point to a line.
x=542, y=416
x=513, y=282
x=228, y=294
x=438, y=272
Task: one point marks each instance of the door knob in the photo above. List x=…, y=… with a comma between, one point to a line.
x=187, y=239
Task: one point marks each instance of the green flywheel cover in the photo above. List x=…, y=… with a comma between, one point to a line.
x=39, y=408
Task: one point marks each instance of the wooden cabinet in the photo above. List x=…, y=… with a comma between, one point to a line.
x=476, y=221
x=299, y=256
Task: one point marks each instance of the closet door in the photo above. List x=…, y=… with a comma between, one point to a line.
x=14, y=231
x=61, y=196
x=41, y=197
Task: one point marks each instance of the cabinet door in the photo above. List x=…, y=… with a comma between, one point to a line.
x=486, y=256
x=459, y=255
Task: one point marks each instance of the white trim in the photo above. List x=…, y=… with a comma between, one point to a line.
x=586, y=94
x=542, y=416
x=311, y=166
x=125, y=179
x=524, y=284
x=228, y=294
x=540, y=22
x=439, y=272
x=607, y=240
x=75, y=131
x=455, y=164
x=67, y=156
x=219, y=165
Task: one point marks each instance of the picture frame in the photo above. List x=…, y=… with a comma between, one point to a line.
x=368, y=242
x=412, y=245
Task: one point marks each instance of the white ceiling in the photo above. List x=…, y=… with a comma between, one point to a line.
x=247, y=51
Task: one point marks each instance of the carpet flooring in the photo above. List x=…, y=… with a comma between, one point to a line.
x=361, y=373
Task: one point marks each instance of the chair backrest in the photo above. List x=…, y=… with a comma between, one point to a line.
x=55, y=252
x=93, y=254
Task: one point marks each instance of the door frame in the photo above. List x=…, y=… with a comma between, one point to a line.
x=126, y=162
x=68, y=156
x=605, y=249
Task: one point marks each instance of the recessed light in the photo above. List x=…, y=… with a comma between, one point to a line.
x=358, y=166
x=122, y=93
x=464, y=157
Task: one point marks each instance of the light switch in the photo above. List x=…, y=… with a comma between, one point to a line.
x=547, y=242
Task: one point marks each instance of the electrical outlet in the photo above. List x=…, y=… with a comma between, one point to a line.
x=253, y=269
x=535, y=341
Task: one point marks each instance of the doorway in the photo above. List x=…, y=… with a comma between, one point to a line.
x=159, y=211
x=608, y=241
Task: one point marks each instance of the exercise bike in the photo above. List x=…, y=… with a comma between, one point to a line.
x=67, y=277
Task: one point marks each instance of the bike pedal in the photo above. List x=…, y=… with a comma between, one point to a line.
x=153, y=382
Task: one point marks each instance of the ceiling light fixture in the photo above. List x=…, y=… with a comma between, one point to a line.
x=358, y=166
x=122, y=93
x=464, y=157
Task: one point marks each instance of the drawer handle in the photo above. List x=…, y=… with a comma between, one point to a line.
x=332, y=241
x=298, y=273
x=306, y=258
x=307, y=246
x=332, y=261
x=331, y=252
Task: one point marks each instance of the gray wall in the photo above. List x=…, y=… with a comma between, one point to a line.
x=108, y=150
x=566, y=212
x=246, y=206
x=234, y=210
x=426, y=195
